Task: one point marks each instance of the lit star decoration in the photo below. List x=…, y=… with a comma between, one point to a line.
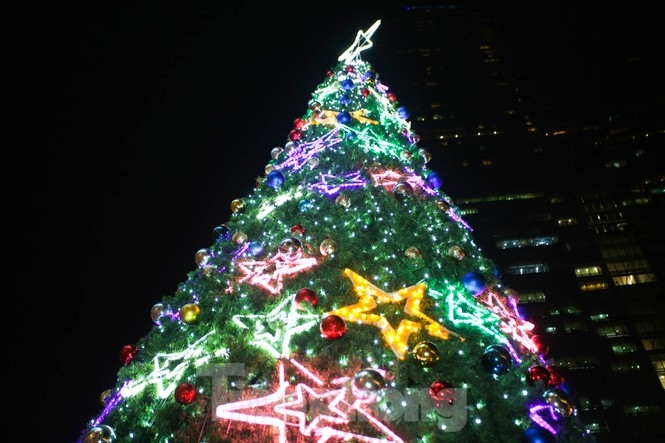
x=331, y=185
x=286, y=320
x=534, y=414
x=166, y=378
x=389, y=178
x=269, y=274
x=511, y=321
x=330, y=118
x=270, y=205
x=305, y=151
x=361, y=43
x=369, y=297
x=279, y=408
x=374, y=143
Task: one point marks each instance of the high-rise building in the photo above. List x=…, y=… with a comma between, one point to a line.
x=544, y=123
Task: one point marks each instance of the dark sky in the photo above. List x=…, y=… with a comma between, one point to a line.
x=132, y=129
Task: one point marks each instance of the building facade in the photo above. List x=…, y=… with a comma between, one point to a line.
x=545, y=132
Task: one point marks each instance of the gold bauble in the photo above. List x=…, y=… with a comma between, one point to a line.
x=456, y=252
x=201, y=258
x=426, y=353
x=269, y=168
x=413, y=252
x=239, y=238
x=328, y=247
x=237, y=205
x=405, y=155
x=99, y=434
x=189, y=313
x=209, y=270
x=559, y=402
x=443, y=205
x=105, y=396
x=343, y=200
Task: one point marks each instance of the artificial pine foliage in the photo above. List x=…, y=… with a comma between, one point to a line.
x=344, y=300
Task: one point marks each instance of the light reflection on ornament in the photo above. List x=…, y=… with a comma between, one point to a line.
x=290, y=247
x=328, y=247
x=343, y=200
x=239, y=238
x=202, y=257
x=402, y=191
x=189, y=313
x=413, y=252
x=156, y=313
x=237, y=205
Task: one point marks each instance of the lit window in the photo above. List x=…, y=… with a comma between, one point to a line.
x=567, y=222
x=532, y=268
x=532, y=297
x=612, y=331
x=598, y=285
x=625, y=366
x=599, y=317
x=624, y=348
x=588, y=271
x=527, y=242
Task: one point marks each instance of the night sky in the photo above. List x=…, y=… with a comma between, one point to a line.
x=132, y=129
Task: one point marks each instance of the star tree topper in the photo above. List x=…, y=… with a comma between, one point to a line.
x=369, y=297
x=361, y=43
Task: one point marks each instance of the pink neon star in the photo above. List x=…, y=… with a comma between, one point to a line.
x=269, y=274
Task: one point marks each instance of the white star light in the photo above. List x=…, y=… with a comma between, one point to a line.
x=361, y=43
x=285, y=320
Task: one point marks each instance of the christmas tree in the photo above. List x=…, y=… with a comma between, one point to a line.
x=343, y=300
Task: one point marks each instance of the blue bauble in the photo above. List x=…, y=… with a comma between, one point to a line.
x=221, y=232
x=434, y=180
x=275, y=179
x=305, y=205
x=344, y=117
x=403, y=112
x=536, y=434
x=496, y=359
x=347, y=84
x=474, y=282
x=255, y=248
x=345, y=100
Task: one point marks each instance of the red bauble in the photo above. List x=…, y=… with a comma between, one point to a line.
x=541, y=344
x=127, y=353
x=556, y=379
x=295, y=135
x=391, y=97
x=350, y=68
x=538, y=375
x=298, y=124
x=364, y=92
x=298, y=229
x=333, y=327
x=442, y=391
x=185, y=393
x=306, y=295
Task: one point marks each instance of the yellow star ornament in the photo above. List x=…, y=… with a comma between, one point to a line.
x=369, y=297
